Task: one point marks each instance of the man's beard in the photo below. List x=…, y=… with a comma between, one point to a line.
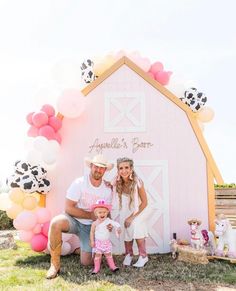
x=96, y=176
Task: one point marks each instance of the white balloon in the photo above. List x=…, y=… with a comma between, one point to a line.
x=5, y=201
x=34, y=157
x=176, y=86
x=54, y=146
x=40, y=143
x=49, y=157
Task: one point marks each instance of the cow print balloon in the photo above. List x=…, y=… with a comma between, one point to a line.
x=87, y=72
x=194, y=99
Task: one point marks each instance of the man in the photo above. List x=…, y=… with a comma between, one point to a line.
x=81, y=195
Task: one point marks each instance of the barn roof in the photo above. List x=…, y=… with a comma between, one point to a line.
x=212, y=167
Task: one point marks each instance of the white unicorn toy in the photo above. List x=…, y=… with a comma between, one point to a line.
x=226, y=235
x=201, y=239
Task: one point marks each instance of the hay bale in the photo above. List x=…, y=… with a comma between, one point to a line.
x=191, y=255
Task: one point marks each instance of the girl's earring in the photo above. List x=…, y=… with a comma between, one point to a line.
x=131, y=176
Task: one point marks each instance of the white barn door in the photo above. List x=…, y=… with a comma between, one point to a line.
x=158, y=219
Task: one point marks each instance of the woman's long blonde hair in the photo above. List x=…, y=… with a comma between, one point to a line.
x=120, y=182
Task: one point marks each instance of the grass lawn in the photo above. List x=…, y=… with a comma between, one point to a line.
x=23, y=269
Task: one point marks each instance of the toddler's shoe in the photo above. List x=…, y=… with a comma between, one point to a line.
x=141, y=262
x=128, y=260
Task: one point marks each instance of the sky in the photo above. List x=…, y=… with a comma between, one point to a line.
x=43, y=42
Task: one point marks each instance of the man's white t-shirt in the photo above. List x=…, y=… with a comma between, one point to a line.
x=83, y=192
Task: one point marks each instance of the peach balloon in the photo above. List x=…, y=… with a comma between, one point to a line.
x=29, y=202
x=16, y=195
x=5, y=201
x=206, y=114
x=14, y=210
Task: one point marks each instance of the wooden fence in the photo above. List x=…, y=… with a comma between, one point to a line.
x=226, y=203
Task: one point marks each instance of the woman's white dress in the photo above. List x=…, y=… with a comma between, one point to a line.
x=138, y=228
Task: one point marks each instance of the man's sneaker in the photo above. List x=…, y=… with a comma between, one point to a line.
x=128, y=260
x=141, y=262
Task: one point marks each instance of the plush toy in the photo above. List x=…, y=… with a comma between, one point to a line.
x=226, y=235
x=87, y=72
x=194, y=99
x=201, y=239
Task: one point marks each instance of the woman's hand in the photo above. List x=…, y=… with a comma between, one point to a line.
x=92, y=244
x=128, y=221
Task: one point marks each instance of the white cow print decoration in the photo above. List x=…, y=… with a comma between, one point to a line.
x=194, y=99
x=87, y=72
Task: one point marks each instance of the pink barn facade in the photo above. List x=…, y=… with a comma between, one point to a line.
x=129, y=114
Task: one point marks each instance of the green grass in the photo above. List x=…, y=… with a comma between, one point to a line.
x=23, y=269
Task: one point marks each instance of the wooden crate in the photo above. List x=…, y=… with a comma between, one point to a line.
x=226, y=203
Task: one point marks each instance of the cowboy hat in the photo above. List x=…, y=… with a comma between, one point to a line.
x=99, y=161
x=101, y=204
x=194, y=221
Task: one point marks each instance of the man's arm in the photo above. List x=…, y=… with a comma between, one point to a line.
x=72, y=209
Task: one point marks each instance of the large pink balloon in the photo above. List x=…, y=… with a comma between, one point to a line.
x=43, y=215
x=39, y=119
x=156, y=67
x=55, y=122
x=29, y=118
x=25, y=235
x=45, y=228
x=39, y=242
x=33, y=131
x=48, y=109
x=163, y=77
x=47, y=131
x=71, y=103
x=26, y=220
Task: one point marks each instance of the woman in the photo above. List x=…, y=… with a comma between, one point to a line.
x=131, y=197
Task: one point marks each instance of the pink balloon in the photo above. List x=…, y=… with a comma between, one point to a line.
x=58, y=137
x=29, y=118
x=32, y=131
x=151, y=75
x=48, y=109
x=65, y=248
x=39, y=242
x=55, y=122
x=71, y=103
x=45, y=228
x=156, y=67
x=47, y=131
x=43, y=215
x=39, y=119
x=37, y=228
x=163, y=77
x=26, y=220
x=25, y=235
x=74, y=242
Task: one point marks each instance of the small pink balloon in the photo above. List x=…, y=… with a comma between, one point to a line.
x=37, y=228
x=48, y=109
x=57, y=137
x=43, y=215
x=65, y=248
x=25, y=236
x=74, y=242
x=156, y=67
x=47, y=131
x=26, y=220
x=39, y=119
x=151, y=75
x=45, y=228
x=29, y=118
x=33, y=131
x=55, y=123
x=163, y=77
x=39, y=242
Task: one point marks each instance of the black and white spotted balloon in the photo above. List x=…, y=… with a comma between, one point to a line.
x=194, y=99
x=87, y=72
